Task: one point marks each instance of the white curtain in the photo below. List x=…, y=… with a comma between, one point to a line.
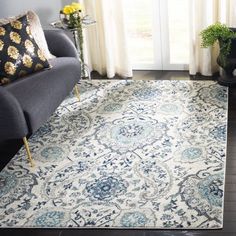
x=202, y=14
x=106, y=46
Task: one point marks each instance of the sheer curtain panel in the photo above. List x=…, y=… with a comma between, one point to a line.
x=107, y=46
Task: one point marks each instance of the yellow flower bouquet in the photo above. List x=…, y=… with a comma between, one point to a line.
x=74, y=7
x=71, y=15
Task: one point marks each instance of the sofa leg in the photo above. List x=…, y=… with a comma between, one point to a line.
x=28, y=151
x=77, y=92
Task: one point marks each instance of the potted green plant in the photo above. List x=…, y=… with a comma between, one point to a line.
x=223, y=35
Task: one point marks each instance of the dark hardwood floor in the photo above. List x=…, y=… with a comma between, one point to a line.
x=8, y=149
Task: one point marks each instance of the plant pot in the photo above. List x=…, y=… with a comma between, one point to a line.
x=227, y=78
x=227, y=67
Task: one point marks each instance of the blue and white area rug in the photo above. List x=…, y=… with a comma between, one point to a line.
x=131, y=154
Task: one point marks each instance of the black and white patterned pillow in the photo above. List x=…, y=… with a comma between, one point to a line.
x=19, y=53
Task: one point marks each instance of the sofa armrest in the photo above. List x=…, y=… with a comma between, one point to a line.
x=12, y=120
x=59, y=44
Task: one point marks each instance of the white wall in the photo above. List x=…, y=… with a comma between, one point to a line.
x=47, y=10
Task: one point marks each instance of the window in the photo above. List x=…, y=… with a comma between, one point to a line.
x=158, y=33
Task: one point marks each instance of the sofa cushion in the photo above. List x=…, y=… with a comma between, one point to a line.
x=38, y=34
x=41, y=93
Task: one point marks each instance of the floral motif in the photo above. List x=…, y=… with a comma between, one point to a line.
x=7, y=183
x=170, y=109
x=15, y=185
x=204, y=194
x=219, y=94
x=38, y=67
x=22, y=73
x=5, y=81
x=147, y=93
x=80, y=121
x=219, y=132
x=211, y=188
x=2, y=31
x=10, y=68
x=214, y=94
x=50, y=218
x=134, y=219
x=27, y=61
x=29, y=46
x=16, y=24
x=130, y=134
x=42, y=131
x=13, y=52
x=53, y=154
x=110, y=108
x=191, y=154
x=106, y=188
x=131, y=130
x=41, y=55
x=15, y=37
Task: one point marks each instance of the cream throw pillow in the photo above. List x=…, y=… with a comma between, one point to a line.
x=36, y=31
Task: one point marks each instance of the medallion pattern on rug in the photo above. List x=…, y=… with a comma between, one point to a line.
x=131, y=154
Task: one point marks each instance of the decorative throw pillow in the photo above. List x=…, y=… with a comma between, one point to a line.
x=36, y=31
x=19, y=53
x=38, y=34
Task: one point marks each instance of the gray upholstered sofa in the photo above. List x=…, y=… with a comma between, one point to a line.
x=27, y=103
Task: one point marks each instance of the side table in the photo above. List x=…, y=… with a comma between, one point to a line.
x=87, y=21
